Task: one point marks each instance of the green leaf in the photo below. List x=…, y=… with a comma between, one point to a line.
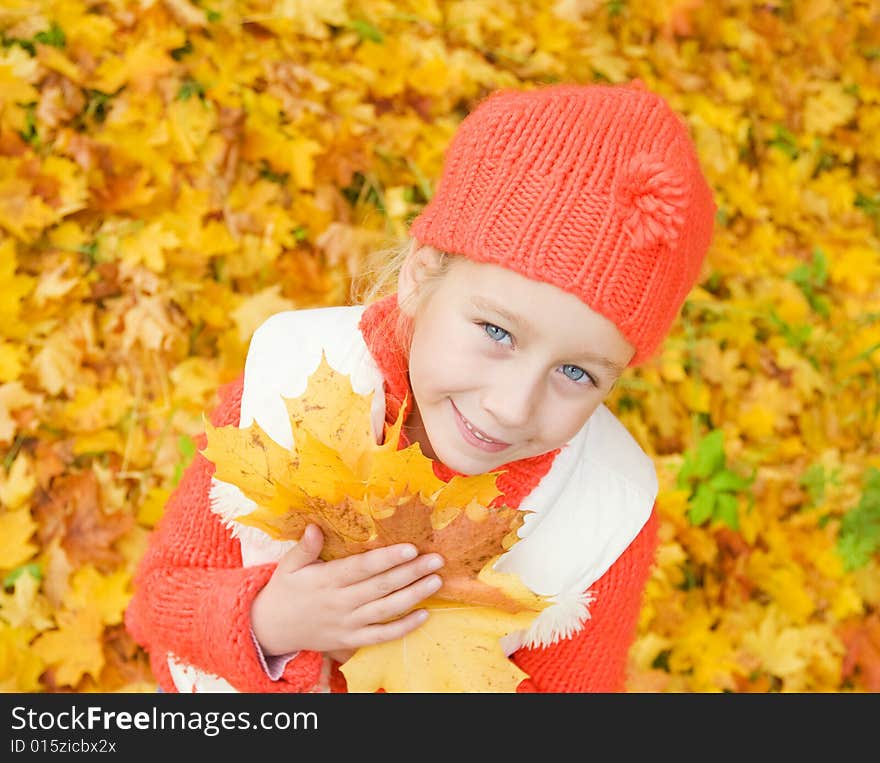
x=32, y=569
x=97, y=107
x=795, y=336
x=813, y=277
x=727, y=510
x=366, y=31
x=690, y=577
x=188, y=88
x=30, y=134
x=814, y=481
x=855, y=551
x=859, y=537
x=12, y=453
x=686, y=471
x=702, y=505
x=616, y=7
x=820, y=268
x=269, y=174
x=710, y=454
x=186, y=446
x=728, y=481
x=785, y=141
x=54, y=36
x=184, y=50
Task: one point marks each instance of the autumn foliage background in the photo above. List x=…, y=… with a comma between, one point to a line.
x=171, y=173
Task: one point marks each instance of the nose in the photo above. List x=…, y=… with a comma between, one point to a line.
x=512, y=402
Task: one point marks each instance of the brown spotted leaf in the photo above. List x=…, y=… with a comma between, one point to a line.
x=364, y=495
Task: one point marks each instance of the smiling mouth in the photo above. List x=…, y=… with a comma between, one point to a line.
x=478, y=433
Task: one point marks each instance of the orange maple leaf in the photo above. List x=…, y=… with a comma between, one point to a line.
x=862, y=640
x=363, y=495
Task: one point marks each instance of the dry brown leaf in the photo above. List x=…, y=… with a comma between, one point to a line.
x=72, y=510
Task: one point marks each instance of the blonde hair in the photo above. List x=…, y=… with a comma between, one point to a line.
x=373, y=283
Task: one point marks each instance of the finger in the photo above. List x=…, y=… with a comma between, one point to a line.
x=353, y=569
x=395, y=604
x=306, y=551
x=382, y=632
x=392, y=580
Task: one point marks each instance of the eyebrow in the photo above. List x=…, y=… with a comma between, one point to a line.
x=517, y=320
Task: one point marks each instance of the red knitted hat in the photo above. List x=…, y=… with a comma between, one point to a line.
x=596, y=189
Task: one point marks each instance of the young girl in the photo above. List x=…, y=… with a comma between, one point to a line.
x=568, y=226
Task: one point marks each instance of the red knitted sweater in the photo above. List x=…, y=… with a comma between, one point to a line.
x=192, y=597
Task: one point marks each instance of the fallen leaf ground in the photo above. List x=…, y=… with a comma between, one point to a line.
x=171, y=173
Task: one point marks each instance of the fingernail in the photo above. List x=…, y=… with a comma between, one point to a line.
x=435, y=562
x=409, y=552
x=434, y=582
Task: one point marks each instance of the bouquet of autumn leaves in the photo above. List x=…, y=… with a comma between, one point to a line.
x=363, y=496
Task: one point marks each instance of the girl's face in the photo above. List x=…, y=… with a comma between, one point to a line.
x=522, y=362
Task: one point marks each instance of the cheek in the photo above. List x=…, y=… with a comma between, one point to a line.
x=426, y=362
x=442, y=357
x=568, y=419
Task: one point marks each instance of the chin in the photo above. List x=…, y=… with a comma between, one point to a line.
x=467, y=466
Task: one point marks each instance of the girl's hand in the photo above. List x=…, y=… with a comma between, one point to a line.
x=344, y=604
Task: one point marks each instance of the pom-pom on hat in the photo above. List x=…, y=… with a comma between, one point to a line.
x=596, y=189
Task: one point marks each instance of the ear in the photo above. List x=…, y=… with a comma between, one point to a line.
x=419, y=263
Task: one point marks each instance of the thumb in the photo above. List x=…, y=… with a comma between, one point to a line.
x=306, y=550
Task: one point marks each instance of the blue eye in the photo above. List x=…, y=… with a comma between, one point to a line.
x=497, y=334
x=490, y=328
x=583, y=374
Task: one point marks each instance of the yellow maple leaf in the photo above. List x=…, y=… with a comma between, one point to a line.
x=256, y=308
x=108, y=595
x=190, y=123
x=144, y=62
x=17, y=485
x=308, y=17
x=72, y=186
x=56, y=365
x=16, y=529
x=26, y=607
x=153, y=506
x=194, y=381
x=363, y=495
x=105, y=441
x=13, y=89
x=148, y=246
x=16, y=286
x=20, y=667
x=93, y=409
x=456, y=649
x=54, y=60
x=828, y=107
x=22, y=212
x=785, y=582
x=75, y=647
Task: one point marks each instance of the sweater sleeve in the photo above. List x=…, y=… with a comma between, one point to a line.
x=192, y=597
x=595, y=658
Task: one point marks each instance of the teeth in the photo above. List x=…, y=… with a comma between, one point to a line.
x=476, y=433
